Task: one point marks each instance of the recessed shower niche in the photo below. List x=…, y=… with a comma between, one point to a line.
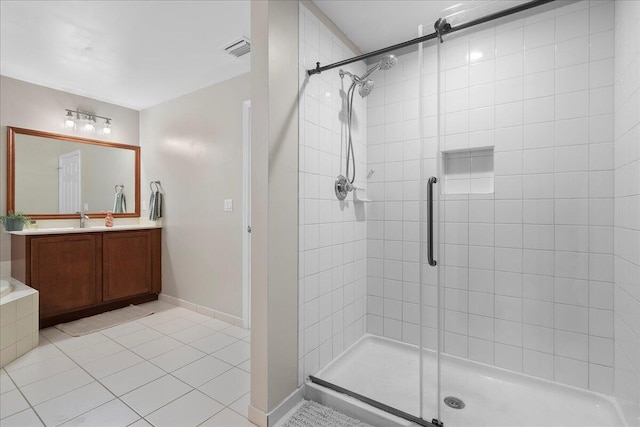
x=468, y=171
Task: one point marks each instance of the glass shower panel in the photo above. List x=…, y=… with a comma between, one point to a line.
x=384, y=366
x=519, y=247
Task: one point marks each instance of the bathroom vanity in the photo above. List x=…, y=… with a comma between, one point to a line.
x=80, y=272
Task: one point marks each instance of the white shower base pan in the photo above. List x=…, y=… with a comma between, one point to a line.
x=387, y=371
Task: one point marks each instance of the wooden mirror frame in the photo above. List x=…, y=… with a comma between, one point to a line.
x=11, y=167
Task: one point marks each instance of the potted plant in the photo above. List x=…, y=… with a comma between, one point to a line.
x=14, y=221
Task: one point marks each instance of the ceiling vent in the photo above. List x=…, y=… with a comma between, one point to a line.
x=238, y=47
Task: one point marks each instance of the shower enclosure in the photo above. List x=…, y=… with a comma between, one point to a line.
x=467, y=276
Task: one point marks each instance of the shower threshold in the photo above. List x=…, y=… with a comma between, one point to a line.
x=385, y=372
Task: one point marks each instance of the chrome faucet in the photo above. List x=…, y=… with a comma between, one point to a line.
x=83, y=218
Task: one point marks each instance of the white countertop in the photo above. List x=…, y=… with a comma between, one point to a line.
x=90, y=229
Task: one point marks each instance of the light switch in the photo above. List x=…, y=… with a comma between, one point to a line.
x=144, y=205
x=228, y=205
x=86, y=207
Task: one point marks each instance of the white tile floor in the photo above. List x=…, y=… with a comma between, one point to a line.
x=173, y=368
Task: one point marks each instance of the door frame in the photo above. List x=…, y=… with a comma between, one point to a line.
x=246, y=214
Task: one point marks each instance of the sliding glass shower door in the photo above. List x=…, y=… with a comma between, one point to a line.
x=385, y=367
x=518, y=306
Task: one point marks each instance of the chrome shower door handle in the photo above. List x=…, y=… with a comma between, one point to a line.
x=432, y=180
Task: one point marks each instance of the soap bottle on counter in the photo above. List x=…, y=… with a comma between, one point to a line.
x=108, y=220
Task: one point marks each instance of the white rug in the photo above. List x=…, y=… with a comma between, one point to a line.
x=103, y=321
x=313, y=414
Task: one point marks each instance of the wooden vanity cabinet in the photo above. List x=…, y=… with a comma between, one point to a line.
x=66, y=271
x=82, y=274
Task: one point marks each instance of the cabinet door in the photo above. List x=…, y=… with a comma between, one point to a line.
x=126, y=264
x=66, y=271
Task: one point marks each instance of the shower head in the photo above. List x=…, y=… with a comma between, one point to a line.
x=366, y=84
x=384, y=64
x=388, y=62
x=366, y=87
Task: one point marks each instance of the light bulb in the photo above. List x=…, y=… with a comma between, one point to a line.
x=89, y=125
x=69, y=122
x=106, y=129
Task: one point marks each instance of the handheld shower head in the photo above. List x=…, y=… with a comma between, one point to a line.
x=366, y=87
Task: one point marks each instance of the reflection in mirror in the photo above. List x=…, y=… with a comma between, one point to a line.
x=55, y=176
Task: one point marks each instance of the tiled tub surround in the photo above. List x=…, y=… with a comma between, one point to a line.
x=18, y=322
x=173, y=368
x=527, y=271
x=627, y=208
x=332, y=245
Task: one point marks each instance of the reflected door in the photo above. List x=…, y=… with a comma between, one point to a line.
x=69, y=166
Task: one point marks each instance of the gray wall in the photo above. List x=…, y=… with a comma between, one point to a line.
x=193, y=145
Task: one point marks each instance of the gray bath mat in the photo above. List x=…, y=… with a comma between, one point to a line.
x=103, y=321
x=313, y=414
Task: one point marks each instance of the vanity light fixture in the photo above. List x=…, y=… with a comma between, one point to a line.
x=86, y=121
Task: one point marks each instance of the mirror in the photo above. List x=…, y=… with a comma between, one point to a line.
x=51, y=176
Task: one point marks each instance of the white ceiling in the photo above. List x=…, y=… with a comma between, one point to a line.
x=131, y=53
x=375, y=24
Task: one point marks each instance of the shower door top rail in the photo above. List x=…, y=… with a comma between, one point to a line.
x=435, y=35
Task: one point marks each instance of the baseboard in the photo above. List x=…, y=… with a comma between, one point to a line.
x=258, y=417
x=286, y=406
x=206, y=311
x=271, y=419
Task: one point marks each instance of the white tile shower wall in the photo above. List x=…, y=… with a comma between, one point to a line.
x=332, y=245
x=528, y=271
x=627, y=208
x=393, y=308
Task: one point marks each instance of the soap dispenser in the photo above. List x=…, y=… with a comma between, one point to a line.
x=108, y=220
